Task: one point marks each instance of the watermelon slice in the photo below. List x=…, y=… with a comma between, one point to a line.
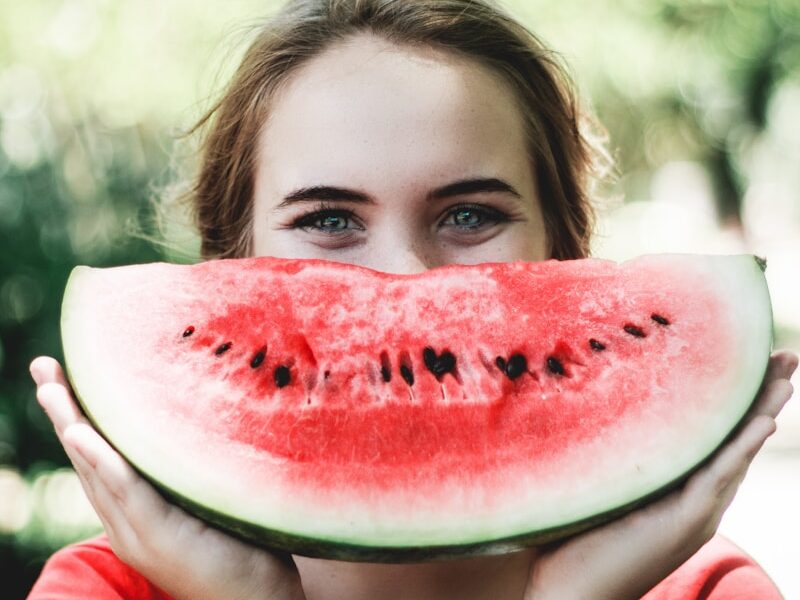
x=334, y=411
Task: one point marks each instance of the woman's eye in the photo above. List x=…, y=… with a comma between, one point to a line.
x=472, y=217
x=327, y=221
x=332, y=222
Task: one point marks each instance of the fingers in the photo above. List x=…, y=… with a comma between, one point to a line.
x=736, y=456
x=100, y=457
x=104, y=488
x=95, y=496
x=45, y=369
x=781, y=365
x=772, y=398
x=59, y=406
x=128, y=501
x=53, y=393
x=113, y=472
x=735, y=467
x=776, y=389
x=709, y=492
x=109, y=482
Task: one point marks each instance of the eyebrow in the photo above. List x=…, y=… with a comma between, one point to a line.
x=457, y=188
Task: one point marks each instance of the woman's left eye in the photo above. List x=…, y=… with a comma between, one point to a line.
x=472, y=217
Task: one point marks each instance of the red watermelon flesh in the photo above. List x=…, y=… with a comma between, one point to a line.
x=337, y=411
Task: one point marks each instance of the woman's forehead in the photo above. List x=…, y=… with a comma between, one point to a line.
x=368, y=105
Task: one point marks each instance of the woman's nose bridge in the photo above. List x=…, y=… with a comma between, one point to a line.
x=402, y=251
x=402, y=245
x=407, y=259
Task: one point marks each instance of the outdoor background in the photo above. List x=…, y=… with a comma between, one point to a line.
x=701, y=99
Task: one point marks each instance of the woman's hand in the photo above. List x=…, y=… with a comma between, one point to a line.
x=178, y=553
x=627, y=557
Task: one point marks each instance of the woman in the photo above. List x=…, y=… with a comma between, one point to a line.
x=398, y=135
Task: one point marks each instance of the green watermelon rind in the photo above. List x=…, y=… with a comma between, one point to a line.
x=283, y=541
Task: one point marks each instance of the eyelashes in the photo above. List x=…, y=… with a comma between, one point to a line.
x=463, y=218
x=323, y=218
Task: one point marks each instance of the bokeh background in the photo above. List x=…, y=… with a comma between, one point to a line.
x=701, y=99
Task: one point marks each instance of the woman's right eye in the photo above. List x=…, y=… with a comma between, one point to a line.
x=329, y=221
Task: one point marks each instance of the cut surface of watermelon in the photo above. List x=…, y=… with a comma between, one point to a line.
x=331, y=410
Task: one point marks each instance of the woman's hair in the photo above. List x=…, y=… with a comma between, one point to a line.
x=566, y=157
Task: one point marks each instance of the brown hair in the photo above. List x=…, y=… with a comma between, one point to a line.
x=566, y=158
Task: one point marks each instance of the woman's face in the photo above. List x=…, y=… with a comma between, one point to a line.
x=396, y=159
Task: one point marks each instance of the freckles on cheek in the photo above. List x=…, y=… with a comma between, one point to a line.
x=522, y=245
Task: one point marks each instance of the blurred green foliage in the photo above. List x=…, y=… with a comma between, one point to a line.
x=47, y=229
x=93, y=91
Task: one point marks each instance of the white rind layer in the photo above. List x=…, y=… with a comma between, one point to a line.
x=459, y=515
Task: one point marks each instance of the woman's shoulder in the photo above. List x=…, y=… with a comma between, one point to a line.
x=90, y=569
x=720, y=570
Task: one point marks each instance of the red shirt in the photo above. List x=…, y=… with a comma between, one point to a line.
x=90, y=569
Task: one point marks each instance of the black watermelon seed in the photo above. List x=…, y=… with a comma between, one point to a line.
x=659, y=319
x=438, y=365
x=447, y=362
x=634, y=330
x=407, y=375
x=282, y=376
x=223, y=348
x=430, y=358
x=596, y=345
x=554, y=365
x=258, y=358
x=188, y=331
x=501, y=363
x=517, y=365
x=386, y=367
